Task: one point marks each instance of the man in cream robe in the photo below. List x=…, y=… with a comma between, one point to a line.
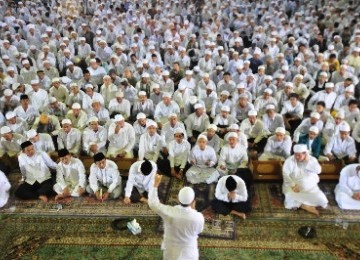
x=300, y=187
x=70, y=176
x=347, y=192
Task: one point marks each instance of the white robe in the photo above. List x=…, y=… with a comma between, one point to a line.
x=4, y=189
x=349, y=184
x=304, y=175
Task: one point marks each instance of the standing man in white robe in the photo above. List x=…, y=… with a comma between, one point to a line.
x=182, y=223
x=4, y=189
x=347, y=192
x=203, y=159
x=300, y=187
x=70, y=176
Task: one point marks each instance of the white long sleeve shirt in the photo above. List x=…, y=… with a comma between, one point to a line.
x=341, y=148
x=71, y=174
x=138, y=180
x=124, y=139
x=90, y=137
x=282, y=148
x=221, y=192
x=202, y=156
x=120, y=108
x=4, y=189
x=150, y=145
x=179, y=153
x=108, y=177
x=71, y=141
x=162, y=111
x=233, y=158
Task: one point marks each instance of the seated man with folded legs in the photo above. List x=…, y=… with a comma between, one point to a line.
x=278, y=146
x=34, y=167
x=347, y=192
x=104, y=179
x=300, y=187
x=231, y=197
x=141, y=176
x=70, y=176
x=203, y=159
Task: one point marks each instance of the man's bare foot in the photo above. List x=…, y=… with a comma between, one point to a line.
x=179, y=176
x=310, y=209
x=239, y=214
x=59, y=197
x=43, y=198
x=143, y=200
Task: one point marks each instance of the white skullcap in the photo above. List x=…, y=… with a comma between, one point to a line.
x=93, y=119
x=165, y=73
x=252, y=113
x=10, y=69
x=66, y=122
x=76, y=106
x=247, y=62
x=209, y=86
x=340, y=114
x=142, y=93
x=186, y=195
x=323, y=74
x=315, y=115
x=152, y=123
x=5, y=130
x=188, y=72
x=225, y=93
x=52, y=100
x=119, y=94
x=172, y=115
x=300, y=148
x=267, y=77
x=178, y=130
x=25, y=62
x=241, y=85
x=285, y=67
x=205, y=75
x=156, y=86
x=270, y=106
x=268, y=90
x=280, y=130
x=118, y=118
x=243, y=95
x=140, y=116
x=212, y=126
x=31, y=133
x=95, y=100
x=225, y=108
x=219, y=67
x=8, y=92
x=145, y=75
x=231, y=134
x=55, y=80
x=166, y=95
x=181, y=87
x=198, y=105
x=193, y=100
x=234, y=127
x=344, y=127
x=202, y=137
x=329, y=85
x=34, y=81
x=314, y=129
x=10, y=115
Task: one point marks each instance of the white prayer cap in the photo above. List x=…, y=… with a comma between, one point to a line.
x=69, y=63
x=145, y=62
x=270, y=107
x=285, y=68
x=166, y=95
x=66, y=122
x=209, y=86
x=323, y=74
x=314, y=129
x=52, y=100
x=350, y=88
x=181, y=87
x=220, y=48
x=82, y=39
x=243, y=95
x=118, y=118
x=186, y=195
x=93, y=119
x=172, y=115
x=140, y=116
x=31, y=133
x=178, y=130
x=240, y=85
x=267, y=77
x=10, y=68
x=268, y=90
x=252, y=113
x=10, y=115
x=289, y=84
x=205, y=75
x=142, y=93
x=8, y=92
x=280, y=54
x=225, y=93
x=76, y=106
x=329, y=85
x=139, y=65
x=331, y=47
x=344, y=127
x=198, y=105
x=356, y=49
x=188, y=72
x=247, y=62
x=340, y=114
x=315, y=115
x=193, y=100
x=246, y=50
x=225, y=108
x=5, y=130
x=152, y=123
x=261, y=67
x=234, y=127
x=279, y=76
x=212, y=126
x=300, y=148
x=219, y=67
x=197, y=69
x=92, y=60
x=207, y=52
x=5, y=57
x=145, y=75
x=202, y=137
x=95, y=100
x=55, y=80
x=165, y=73
x=257, y=51
x=34, y=81
x=299, y=76
x=25, y=62
x=280, y=130
x=231, y=134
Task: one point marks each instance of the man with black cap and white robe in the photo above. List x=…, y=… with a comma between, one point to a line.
x=141, y=176
x=70, y=176
x=104, y=179
x=231, y=197
x=4, y=189
x=34, y=166
x=301, y=177
x=182, y=223
x=347, y=192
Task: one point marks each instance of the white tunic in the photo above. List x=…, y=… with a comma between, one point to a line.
x=232, y=159
x=305, y=176
x=341, y=148
x=138, y=180
x=4, y=189
x=179, y=153
x=120, y=108
x=99, y=138
x=39, y=99
x=162, y=111
x=71, y=141
x=108, y=177
x=349, y=184
x=149, y=146
x=221, y=192
x=123, y=140
x=167, y=131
